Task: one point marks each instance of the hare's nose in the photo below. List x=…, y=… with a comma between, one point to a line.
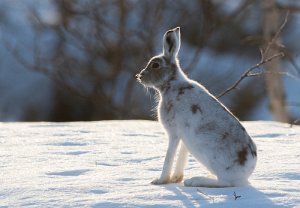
x=138, y=76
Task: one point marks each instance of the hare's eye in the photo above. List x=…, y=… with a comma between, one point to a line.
x=155, y=65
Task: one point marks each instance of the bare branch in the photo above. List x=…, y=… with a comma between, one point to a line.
x=248, y=71
x=275, y=37
x=270, y=72
x=263, y=60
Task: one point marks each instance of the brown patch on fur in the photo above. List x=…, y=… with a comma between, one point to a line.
x=168, y=107
x=242, y=156
x=166, y=87
x=183, y=88
x=195, y=108
x=207, y=127
x=227, y=168
x=225, y=135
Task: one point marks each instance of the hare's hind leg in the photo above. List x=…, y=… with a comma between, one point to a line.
x=180, y=164
x=206, y=182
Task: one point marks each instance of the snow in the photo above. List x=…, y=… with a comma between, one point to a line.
x=111, y=164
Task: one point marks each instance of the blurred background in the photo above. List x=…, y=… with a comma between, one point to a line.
x=75, y=60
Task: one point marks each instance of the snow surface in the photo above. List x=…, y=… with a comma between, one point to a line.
x=111, y=164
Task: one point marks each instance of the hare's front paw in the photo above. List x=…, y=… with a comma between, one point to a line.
x=160, y=181
x=177, y=178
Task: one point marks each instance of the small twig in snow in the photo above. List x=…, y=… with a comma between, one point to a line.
x=236, y=196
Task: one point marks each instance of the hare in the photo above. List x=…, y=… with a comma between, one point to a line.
x=196, y=119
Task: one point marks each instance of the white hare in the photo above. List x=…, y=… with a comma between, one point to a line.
x=205, y=127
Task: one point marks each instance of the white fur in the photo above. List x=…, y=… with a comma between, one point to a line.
x=205, y=127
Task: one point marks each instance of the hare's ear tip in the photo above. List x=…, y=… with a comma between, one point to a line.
x=176, y=29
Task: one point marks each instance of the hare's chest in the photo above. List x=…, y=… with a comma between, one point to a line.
x=167, y=113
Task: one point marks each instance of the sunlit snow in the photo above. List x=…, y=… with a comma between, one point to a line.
x=111, y=164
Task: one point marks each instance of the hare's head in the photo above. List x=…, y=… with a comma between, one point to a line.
x=162, y=68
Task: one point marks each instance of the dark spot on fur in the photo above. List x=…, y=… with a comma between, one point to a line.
x=166, y=86
x=207, y=127
x=225, y=135
x=173, y=75
x=186, y=124
x=183, y=88
x=168, y=107
x=227, y=168
x=167, y=61
x=242, y=156
x=195, y=108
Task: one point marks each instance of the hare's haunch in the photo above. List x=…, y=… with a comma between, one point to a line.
x=205, y=127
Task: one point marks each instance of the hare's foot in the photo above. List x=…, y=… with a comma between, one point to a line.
x=177, y=178
x=160, y=181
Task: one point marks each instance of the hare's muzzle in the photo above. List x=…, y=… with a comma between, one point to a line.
x=139, y=75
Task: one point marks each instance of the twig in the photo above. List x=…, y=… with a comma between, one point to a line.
x=247, y=72
x=269, y=72
x=264, y=60
x=236, y=196
x=275, y=37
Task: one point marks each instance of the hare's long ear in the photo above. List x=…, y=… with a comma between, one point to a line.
x=171, y=44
